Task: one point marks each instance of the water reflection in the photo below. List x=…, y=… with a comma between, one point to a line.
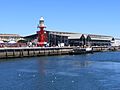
x=41, y=66
x=82, y=64
x=79, y=72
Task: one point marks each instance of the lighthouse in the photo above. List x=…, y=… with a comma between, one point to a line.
x=42, y=36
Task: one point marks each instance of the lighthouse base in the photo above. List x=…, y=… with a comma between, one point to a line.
x=41, y=44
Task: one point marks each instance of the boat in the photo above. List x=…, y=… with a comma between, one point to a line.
x=81, y=50
x=88, y=49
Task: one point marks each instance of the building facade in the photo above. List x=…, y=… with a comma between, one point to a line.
x=116, y=42
x=9, y=37
x=74, y=39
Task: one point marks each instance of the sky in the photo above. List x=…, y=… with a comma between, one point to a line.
x=82, y=16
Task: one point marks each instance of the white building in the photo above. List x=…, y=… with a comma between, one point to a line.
x=10, y=37
x=116, y=42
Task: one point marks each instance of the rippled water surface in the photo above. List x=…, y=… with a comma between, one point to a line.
x=98, y=71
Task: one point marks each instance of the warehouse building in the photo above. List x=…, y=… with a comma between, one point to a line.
x=99, y=40
x=8, y=40
x=116, y=42
x=74, y=39
x=9, y=37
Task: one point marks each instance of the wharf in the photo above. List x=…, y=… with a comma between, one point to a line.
x=18, y=52
x=33, y=51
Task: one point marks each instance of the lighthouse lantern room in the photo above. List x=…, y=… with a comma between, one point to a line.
x=42, y=35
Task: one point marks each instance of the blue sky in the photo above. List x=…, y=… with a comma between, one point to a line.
x=83, y=16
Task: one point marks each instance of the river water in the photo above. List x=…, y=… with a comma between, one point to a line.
x=98, y=71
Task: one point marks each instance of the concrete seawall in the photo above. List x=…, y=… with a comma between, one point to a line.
x=45, y=51
x=33, y=51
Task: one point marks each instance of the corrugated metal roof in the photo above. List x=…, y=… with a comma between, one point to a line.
x=75, y=36
x=85, y=35
x=100, y=37
x=70, y=35
x=59, y=34
x=9, y=35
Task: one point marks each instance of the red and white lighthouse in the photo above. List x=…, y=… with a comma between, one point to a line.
x=42, y=36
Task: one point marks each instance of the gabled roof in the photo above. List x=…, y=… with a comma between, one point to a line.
x=117, y=38
x=75, y=36
x=70, y=35
x=100, y=37
x=33, y=35
x=85, y=35
x=59, y=34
